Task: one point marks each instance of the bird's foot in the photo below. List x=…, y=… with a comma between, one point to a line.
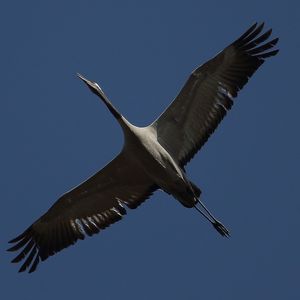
x=221, y=228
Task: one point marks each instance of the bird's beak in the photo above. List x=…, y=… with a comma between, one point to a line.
x=93, y=86
x=84, y=79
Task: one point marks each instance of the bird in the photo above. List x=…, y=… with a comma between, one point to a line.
x=153, y=157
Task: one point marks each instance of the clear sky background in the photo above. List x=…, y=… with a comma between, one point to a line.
x=55, y=133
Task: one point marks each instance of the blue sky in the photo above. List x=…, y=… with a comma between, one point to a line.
x=55, y=134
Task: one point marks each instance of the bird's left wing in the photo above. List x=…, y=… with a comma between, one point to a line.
x=208, y=94
x=85, y=210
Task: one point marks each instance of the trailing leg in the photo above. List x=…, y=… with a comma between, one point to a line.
x=207, y=214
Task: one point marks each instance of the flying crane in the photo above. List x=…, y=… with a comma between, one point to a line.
x=152, y=157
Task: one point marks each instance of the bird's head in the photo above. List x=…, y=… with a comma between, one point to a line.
x=93, y=86
x=96, y=89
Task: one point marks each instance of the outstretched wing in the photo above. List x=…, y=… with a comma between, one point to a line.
x=192, y=117
x=85, y=210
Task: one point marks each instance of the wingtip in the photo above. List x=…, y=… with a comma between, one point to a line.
x=253, y=25
x=17, y=259
x=20, y=236
x=11, y=249
x=257, y=26
x=16, y=239
x=275, y=41
x=22, y=269
x=260, y=27
x=80, y=76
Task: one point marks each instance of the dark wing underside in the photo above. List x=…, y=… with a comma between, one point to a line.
x=85, y=210
x=192, y=117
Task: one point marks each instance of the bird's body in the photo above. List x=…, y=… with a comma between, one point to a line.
x=144, y=152
x=159, y=165
x=152, y=157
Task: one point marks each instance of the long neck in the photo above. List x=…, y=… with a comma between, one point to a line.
x=121, y=119
x=109, y=105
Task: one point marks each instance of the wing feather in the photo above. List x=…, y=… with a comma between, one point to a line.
x=208, y=94
x=85, y=210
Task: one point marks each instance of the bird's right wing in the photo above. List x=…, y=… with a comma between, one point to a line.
x=208, y=94
x=85, y=210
